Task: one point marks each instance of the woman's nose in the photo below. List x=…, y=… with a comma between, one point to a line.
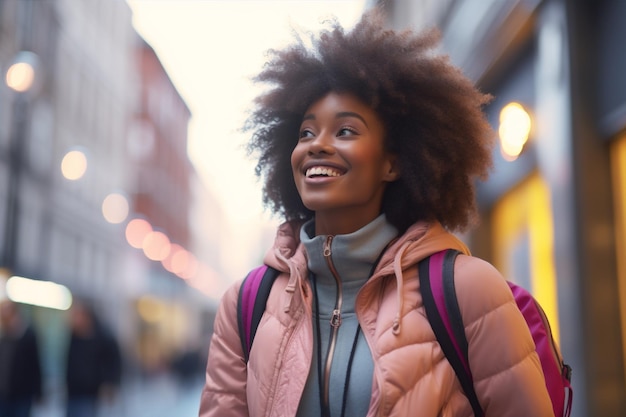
x=323, y=143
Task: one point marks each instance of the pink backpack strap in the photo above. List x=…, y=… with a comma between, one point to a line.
x=253, y=294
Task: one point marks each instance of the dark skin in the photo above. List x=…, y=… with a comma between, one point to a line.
x=340, y=165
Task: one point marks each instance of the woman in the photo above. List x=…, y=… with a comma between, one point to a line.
x=369, y=145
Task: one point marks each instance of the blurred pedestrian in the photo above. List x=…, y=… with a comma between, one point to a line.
x=20, y=366
x=93, y=373
x=188, y=366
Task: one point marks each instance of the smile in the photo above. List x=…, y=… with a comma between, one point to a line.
x=318, y=171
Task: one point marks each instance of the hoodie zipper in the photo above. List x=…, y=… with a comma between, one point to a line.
x=335, y=321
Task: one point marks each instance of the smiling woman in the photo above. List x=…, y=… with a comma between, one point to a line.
x=368, y=145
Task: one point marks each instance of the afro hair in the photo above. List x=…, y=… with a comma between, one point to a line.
x=432, y=113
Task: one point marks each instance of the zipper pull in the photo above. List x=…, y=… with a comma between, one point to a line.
x=335, y=320
x=327, y=250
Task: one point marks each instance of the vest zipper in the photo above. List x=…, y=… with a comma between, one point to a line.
x=335, y=321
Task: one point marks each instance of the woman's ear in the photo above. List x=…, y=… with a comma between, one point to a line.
x=393, y=173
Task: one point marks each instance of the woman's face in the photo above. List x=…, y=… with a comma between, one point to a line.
x=339, y=164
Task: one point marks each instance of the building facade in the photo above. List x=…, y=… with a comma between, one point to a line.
x=553, y=211
x=102, y=92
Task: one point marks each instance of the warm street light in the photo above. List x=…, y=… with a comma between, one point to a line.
x=20, y=76
x=514, y=130
x=38, y=293
x=74, y=165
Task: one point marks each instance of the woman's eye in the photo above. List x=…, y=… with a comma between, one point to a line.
x=346, y=131
x=305, y=134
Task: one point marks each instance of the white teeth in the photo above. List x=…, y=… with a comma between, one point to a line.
x=325, y=171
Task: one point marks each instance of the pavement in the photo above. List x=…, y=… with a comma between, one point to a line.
x=155, y=396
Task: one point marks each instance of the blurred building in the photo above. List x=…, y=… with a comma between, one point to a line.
x=97, y=142
x=167, y=194
x=554, y=210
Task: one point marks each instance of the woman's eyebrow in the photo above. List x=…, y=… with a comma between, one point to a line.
x=339, y=115
x=351, y=114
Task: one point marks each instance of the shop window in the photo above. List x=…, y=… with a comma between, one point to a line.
x=523, y=242
x=618, y=164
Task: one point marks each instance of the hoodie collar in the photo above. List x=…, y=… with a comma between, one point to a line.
x=418, y=242
x=353, y=254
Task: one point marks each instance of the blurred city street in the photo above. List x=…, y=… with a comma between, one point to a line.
x=157, y=396
x=125, y=185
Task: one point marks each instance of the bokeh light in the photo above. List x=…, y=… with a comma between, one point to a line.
x=136, y=232
x=150, y=309
x=115, y=208
x=156, y=246
x=514, y=130
x=180, y=262
x=20, y=77
x=74, y=165
x=169, y=263
x=191, y=267
x=38, y=293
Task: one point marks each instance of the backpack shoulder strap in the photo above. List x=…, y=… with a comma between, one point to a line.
x=436, y=275
x=253, y=294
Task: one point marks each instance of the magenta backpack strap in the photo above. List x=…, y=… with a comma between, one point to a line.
x=436, y=275
x=253, y=294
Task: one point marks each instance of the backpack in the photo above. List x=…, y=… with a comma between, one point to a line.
x=443, y=313
x=436, y=274
x=253, y=294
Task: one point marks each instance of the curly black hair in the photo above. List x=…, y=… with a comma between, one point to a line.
x=433, y=117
